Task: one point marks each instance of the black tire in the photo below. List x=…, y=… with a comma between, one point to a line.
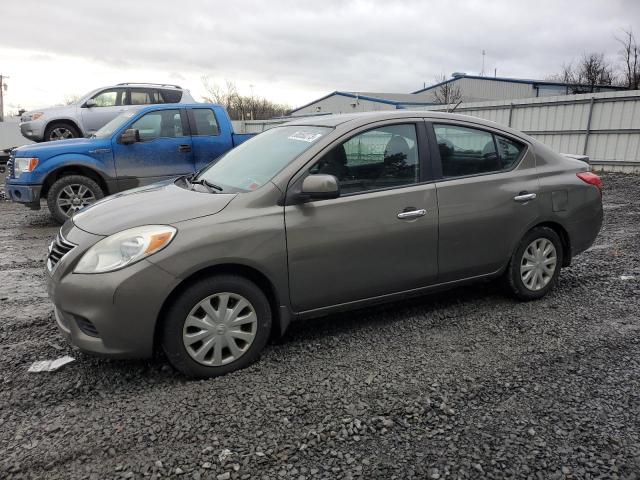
x=513, y=275
x=60, y=131
x=72, y=183
x=176, y=315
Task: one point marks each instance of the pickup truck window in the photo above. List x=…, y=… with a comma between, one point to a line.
x=115, y=124
x=160, y=123
x=256, y=161
x=110, y=98
x=205, y=122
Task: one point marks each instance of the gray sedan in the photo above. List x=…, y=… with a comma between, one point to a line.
x=312, y=217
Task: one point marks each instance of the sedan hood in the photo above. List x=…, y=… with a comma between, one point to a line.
x=158, y=204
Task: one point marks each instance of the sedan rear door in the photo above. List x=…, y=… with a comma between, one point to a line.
x=486, y=197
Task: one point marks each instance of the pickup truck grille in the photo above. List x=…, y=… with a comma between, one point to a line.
x=11, y=166
x=57, y=250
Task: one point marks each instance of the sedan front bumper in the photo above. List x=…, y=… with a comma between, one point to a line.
x=111, y=314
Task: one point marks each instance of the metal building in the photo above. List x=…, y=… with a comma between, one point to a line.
x=350, y=102
x=478, y=89
x=472, y=89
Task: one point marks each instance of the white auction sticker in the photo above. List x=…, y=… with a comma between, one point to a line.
x=305, y=136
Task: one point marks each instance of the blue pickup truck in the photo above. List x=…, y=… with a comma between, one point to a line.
x=136, y=148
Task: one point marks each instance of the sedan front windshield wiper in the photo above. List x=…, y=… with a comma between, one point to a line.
x=206, y=183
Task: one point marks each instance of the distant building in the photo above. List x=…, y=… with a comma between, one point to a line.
x=350, y=102
x=478, y=89
x=472, y=89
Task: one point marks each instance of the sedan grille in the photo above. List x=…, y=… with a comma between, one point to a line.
x=57, y=250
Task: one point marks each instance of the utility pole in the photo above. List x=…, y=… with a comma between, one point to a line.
x=3, y=87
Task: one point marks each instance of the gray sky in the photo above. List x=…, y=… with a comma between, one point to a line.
x=293, y=51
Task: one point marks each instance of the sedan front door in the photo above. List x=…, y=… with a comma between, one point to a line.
x=380, y=236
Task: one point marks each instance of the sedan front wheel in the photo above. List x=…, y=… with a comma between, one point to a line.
x=216, y=326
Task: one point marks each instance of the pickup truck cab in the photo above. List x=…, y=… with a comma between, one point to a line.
x=139, y=147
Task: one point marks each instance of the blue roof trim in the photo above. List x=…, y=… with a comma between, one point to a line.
x=362, y=97
x=519, y=80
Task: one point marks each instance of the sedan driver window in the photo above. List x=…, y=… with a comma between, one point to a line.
x=379, y=158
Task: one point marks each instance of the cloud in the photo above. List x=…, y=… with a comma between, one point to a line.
x=297, y=49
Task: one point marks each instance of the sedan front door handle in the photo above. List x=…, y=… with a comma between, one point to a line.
x=409, y=214
x=523, y=197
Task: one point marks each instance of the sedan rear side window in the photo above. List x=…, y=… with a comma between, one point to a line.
x=468, y=151
x=379, y=158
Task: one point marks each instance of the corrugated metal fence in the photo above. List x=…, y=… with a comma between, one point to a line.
x=604, y=126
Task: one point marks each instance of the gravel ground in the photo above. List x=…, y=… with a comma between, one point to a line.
x=463, y=384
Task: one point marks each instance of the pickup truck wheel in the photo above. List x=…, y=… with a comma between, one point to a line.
x=60, y=131
x=216, y=326
x=71, y=193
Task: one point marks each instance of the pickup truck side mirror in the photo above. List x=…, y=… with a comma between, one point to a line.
x=319, y=187
x=129, y=136
x=89, y=103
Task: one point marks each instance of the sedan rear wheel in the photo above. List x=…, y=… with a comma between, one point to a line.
x=216, y=325
x=535, y=265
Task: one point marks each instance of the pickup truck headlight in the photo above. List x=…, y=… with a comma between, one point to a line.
x=24, y=165
x=125, y=248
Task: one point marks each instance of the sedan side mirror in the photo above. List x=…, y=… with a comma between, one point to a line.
x=89, y=103
x=320, y=186
x=129, y=136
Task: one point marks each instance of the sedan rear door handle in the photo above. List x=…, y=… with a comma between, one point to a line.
x=184, y=148
x=524, y=197
x=409, y=214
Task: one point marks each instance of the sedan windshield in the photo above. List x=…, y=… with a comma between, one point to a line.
x=256, y=161
x=107, y=130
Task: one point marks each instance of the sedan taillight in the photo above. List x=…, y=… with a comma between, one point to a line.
x=592, y=179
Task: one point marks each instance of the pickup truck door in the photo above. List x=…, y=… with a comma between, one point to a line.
x=164, y=150
x=210, y=137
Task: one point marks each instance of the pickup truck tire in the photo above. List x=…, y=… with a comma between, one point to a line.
x=71, y=193
x=60, y=131
x=217, y=325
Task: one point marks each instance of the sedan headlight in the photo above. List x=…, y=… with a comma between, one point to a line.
x=124, y=248
x=24, y=165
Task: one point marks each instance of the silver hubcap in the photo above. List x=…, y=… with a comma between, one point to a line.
x=60, y=133
x=220, y=329
x=538, y=264
x=74, y=197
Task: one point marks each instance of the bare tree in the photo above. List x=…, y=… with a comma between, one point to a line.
x=242, y=107
x=447, y=92
x=630, y=56
x=567, y=74
x=71, y=99
x=593, y=69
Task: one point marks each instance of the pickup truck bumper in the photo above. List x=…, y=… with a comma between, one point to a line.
x=27, y=194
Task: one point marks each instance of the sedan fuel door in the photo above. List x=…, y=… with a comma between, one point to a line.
x=379, y=235
x=487, y=198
